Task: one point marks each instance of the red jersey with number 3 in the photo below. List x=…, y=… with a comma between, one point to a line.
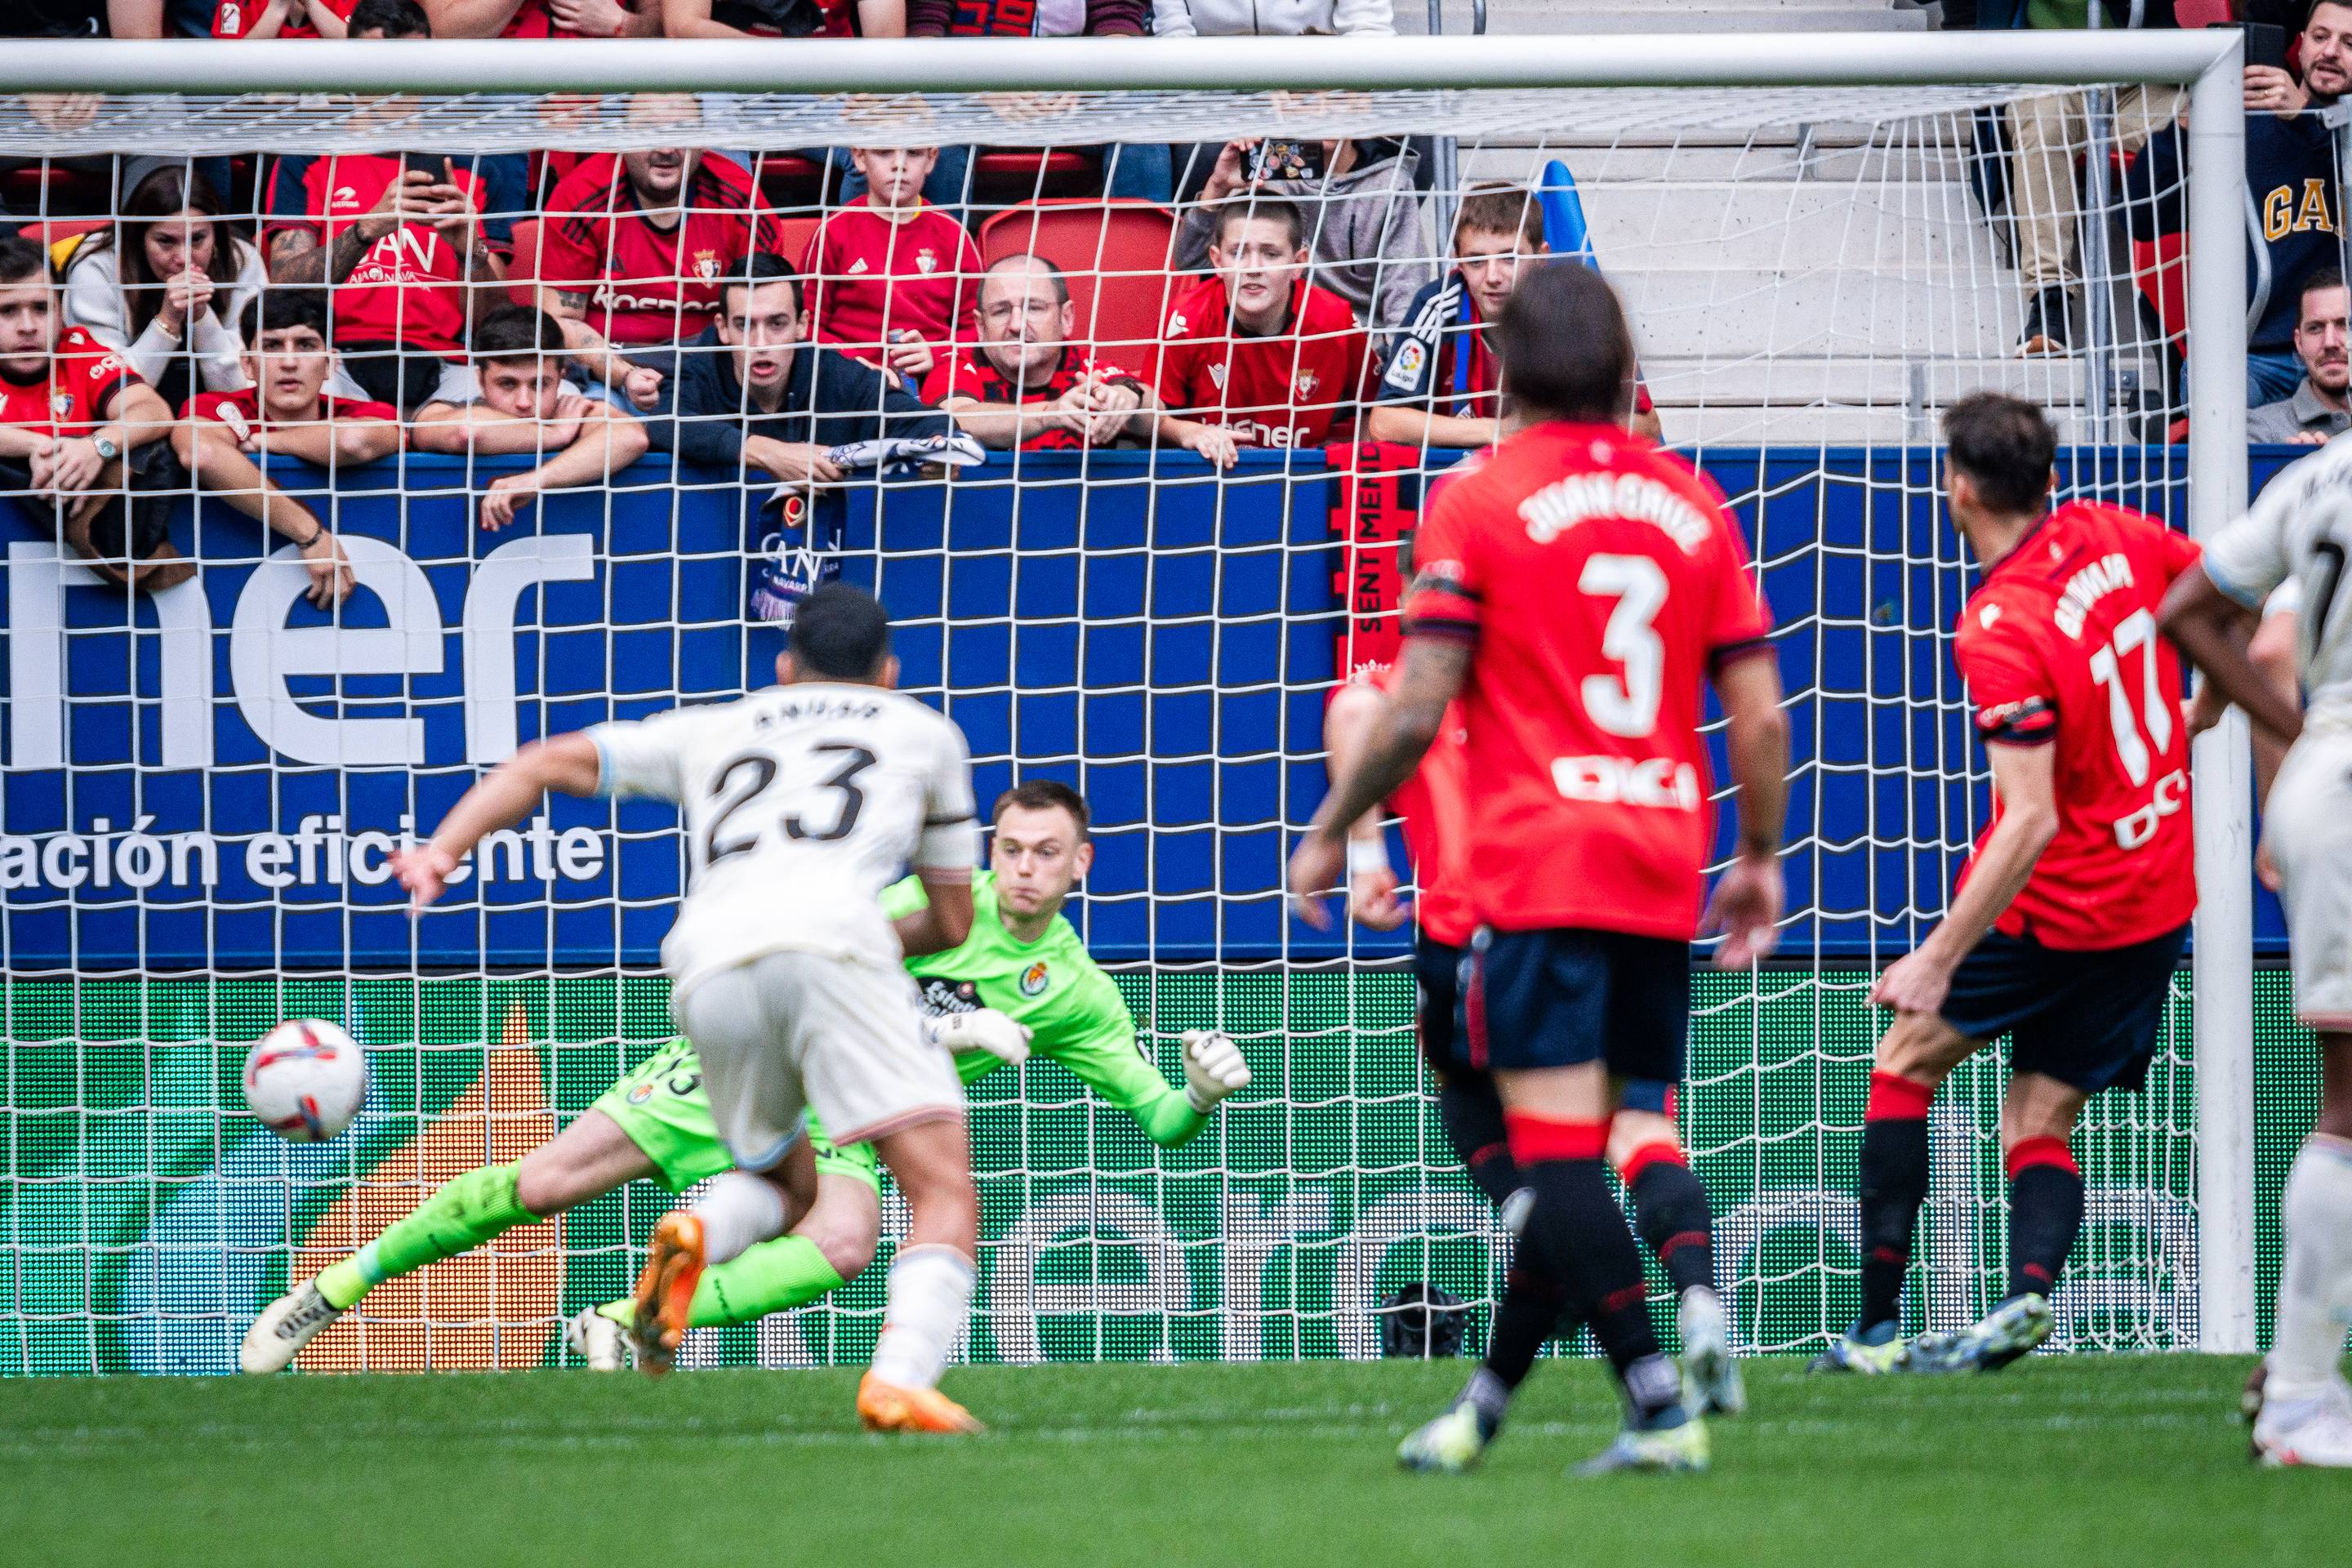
x=2060, y=648
x=84, y=375
x=1435, y=806
x=1598, y=581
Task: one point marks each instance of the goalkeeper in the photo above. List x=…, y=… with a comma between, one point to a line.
x=1021, y=976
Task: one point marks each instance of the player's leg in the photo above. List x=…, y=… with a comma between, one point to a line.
x=1915, y=1056
x=586, y=1160
x=2300, y=1407
x=1673, y=1216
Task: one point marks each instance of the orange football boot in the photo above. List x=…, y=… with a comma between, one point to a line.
x=886, y=1407
x=664, y=1290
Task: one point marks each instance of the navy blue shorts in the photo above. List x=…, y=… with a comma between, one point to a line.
x=1561, y=998
x=2090, y=1019
x=1437, y=997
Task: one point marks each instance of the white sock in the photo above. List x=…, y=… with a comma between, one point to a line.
x=2315, y=1297
x=929, y=1299
x=740, y=1211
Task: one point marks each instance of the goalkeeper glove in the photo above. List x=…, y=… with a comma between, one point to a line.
x=1213, y=1067
x=984, y=1030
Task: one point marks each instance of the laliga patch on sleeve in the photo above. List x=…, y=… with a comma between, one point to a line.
x=1404, y=370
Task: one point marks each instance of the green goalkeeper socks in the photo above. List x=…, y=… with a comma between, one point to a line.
x=789, y=1271
x=460, y=1217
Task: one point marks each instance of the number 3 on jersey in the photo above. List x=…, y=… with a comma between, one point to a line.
x=1627, y=704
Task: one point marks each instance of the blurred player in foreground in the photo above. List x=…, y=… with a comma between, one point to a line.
x=2297, y=535
x=825, y=785
x=2068, y=921
x=1574, y=593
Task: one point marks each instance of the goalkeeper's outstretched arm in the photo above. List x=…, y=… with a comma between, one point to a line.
x=1109, y=1063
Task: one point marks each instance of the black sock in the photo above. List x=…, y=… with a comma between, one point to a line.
x=1893, y=1184
x=1669, y=1210
x=1472, y=1114
x=1582, y=1239
x=1528, y=1315
x=2045, y=1212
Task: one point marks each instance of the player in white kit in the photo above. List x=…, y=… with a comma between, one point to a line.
x=801, y=804
x=2299, y=532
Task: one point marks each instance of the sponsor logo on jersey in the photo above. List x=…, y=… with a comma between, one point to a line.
x=1658, y=782
x=1036, y=978
x=942, y=996
x=857, y=266
x=2136, y=828
x=1404, y=370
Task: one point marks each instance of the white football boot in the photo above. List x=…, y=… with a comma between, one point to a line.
x=2309, y=1429
x=285, y=1326
x=1711, y=1382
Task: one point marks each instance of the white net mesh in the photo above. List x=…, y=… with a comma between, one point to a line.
x=1811, y=277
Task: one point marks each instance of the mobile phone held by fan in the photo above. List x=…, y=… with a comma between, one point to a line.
x=1281, y=160
x=2266, y=44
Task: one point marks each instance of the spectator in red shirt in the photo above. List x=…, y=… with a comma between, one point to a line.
x=1024, y=384
x=78, y=432
x=892, y=276
x=527, y=407
x=545, y=18
x=282, y=19
x=634, y=249
x=224, y=438
x=784, y=18
x=1257, y=356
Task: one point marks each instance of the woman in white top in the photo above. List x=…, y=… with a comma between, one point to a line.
x=167, y=286
x=1287, y=18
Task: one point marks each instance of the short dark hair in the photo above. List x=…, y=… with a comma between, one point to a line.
x=517, y=332
x=393, y=19
x=1054, y=274
x=22, y=260
x=274, y=310
x=2005, y=446
x=2321, y=277
x=840, y=632
x=1250, y=204
x=1565, y=350
x=760, y=267
x=1045, y=795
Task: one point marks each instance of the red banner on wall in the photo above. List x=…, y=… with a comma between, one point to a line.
x=1375, y=503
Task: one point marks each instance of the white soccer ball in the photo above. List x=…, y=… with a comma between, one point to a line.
x=304, y=1079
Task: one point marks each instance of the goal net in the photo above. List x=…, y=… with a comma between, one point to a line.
x=202, y=780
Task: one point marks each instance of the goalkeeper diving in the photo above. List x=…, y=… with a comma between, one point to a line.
x=1020, y=980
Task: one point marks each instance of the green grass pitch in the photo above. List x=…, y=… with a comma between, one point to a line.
x=2057, y=1462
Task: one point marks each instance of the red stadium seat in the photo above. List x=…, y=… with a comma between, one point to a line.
x=1001, y=174
x=522, y=267
x=796, y=231
x=2160, y=267
x=1115, y=254
x=788, y=181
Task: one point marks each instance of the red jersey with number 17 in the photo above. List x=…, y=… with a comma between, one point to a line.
x=1435, y=806
x=1598, y=581
x=2059, y=647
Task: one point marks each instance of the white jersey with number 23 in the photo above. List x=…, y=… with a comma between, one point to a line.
x=801, y=804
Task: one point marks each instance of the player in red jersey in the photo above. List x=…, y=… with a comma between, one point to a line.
x=2068, y=921
x=634, y=247
x=1257, y=356
x=1574, y=595
x=1024, y=384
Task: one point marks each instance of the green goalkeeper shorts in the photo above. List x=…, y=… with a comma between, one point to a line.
x=662, y=1108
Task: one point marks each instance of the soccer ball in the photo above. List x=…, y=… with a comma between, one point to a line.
x=304, y=1079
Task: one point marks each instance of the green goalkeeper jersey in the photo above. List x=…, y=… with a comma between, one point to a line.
x=1074, y=1014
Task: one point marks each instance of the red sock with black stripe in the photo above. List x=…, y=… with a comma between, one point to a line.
x=1579, y=1236
x=2045, y=1213
x=1671, y=1211
x=1893, y=1185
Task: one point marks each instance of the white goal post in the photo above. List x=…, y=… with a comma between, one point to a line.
x=211, y=99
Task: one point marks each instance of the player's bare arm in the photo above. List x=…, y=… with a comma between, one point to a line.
x=945, y=918
x=1371, y=881
x=1746, y=906
x=1405, y=728
x=2214, y=630
x=2025, y=779
x=567, y=765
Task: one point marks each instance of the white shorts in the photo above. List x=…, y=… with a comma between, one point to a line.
x=790, y=1032
x=2308, y=827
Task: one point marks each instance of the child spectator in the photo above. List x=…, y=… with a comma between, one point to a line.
x=282, y=19
x=634, y=249
x=545, y=18
x=166, y=285
x=1024, y=384
x=1257, y=356
x=526, y=406
x=892, y=276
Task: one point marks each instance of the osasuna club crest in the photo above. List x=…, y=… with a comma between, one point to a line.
x=927, y=260
x=1036, y=978
x=707, y=266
